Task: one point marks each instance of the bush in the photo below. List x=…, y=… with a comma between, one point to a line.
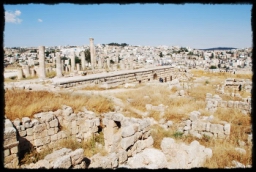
x=213, y=67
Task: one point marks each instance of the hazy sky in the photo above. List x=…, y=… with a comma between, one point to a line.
x=193, y=25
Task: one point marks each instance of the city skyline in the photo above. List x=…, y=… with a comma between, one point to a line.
x=191, y=25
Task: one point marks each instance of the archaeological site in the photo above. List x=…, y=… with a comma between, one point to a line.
x=110, y=107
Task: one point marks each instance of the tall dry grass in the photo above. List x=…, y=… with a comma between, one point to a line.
x=221, y=75
x=21, y=103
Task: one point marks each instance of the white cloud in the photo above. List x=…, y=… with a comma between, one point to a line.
x=12, y=17
x=40, y=20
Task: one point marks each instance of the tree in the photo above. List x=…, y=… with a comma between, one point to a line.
x=87, y=55
x=77, y=60
x=111, y=61
x=161, y=54
x=211, y=57
x=213, y=67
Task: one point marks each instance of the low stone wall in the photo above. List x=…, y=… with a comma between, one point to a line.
x=44, y=130
x=215, y=101
x=199, y=126
x=11, y=148
x=63, y=158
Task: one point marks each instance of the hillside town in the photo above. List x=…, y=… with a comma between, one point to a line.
x=184, y=57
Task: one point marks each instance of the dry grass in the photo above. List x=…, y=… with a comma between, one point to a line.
x=220, y=75
x=20, y=103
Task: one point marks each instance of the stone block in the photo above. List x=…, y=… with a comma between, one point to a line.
x=63, y=162
x=127, y=142
x=128, y=131
x=77, y=156
x=7, y=152
x=227, y=128
x=29, y=131
x=54, y=137
x=51, y=132
x=14, y=150
x=53, y=123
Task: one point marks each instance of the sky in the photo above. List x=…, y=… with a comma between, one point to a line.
x=189, y=25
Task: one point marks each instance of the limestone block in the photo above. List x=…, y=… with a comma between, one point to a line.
x=17, y=122
x=9, y=135
x=42, y=134
x=194, y=115
x=54, y=137
x=66, y=110
x=149, y=141
x=113, y=157
x=122, y=156
x=227, y=128
x=50, y=132
x=128, y=131
x=63, y=162
x=149, y=158
x=118, y=117
x=34, y=122
x=7, y=123
x=77, y=156
x=29, y=131
x=7, y=152
x=42, y=164
x=26, y=120
x=14, y=150
x=39, y=128
x=167, y=144
x=53, y=123
x=138, y=135
x=74, y=128
x=127, y=142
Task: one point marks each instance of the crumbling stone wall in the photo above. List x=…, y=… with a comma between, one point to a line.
x=44, y=130
x=199, y=126
x=11, y=149
x=215, y=101
x=63, y=158
x=125, y=136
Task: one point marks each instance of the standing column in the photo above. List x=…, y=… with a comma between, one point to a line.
x=41, y=62
x=58, y=65
x=26, y=71
x=73, y=61
x=20, y=73
x=83, y=60
x=92, y=52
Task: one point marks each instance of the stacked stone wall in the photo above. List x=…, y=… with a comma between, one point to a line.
x=201, y=126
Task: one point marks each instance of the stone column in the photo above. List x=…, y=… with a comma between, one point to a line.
x=92, y=52
x=20, y=74
x=83, y=60
x=32, y=72
x=62, y=65
x=73, y=61
x=108, y=62
x=100, y=63
x=26, y=71
x=58, y=66
x=78, y=67
x=41, y=70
